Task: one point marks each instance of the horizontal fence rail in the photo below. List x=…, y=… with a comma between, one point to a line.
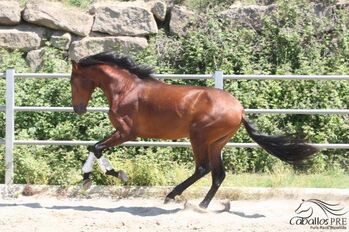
x=248, y=111
x=218, y=77
x=161, y=144
x=207, y=76
x=289, y=77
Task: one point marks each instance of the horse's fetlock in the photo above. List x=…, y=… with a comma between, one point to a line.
x=219, y=179
x=98, y=154
x=86, y=175
x=96, y=150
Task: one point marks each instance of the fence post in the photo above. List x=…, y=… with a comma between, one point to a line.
x=10, y=125
x=218, y=79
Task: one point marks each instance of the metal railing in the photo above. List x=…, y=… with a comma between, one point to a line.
x=218, y=78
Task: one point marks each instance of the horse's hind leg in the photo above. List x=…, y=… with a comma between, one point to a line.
x=218, y=172
x=201, y=169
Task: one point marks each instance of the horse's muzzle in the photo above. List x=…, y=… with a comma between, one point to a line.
x=80, y=109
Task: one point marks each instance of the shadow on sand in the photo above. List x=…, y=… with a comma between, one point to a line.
x=138, y=211
x=241, y=214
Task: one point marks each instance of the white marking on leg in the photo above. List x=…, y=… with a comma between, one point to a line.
x=88, y=166
x=104, y=164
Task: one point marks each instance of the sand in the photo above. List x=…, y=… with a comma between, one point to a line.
x=46, y=212
x=137, y=214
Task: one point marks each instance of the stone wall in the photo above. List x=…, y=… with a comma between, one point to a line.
x=107, y=25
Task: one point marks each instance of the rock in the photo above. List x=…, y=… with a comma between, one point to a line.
x=125, y=19
x=321, y=10
x=35, y=59
x=159, y=9
x=61, y=40
x=54, y=15
x=10, y=13
x=169, y=3
x=92, y=45
x=247, y=16
x=28, y=191
x=42, y=32
x=180, y=18
x=265, y=2
x=17, y=39
x=97, y=4
x=240, y=3
x=329, y=15
x=236, y=4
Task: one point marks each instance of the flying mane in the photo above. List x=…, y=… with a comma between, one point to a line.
x=328, y=208
x=124, y=62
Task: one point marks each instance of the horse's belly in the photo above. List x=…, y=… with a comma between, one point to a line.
x=163, y=129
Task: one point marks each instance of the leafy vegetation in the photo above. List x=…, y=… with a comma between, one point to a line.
x=292, y=41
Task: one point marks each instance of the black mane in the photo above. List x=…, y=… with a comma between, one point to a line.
x=124, y=62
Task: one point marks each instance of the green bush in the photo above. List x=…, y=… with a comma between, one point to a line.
x=30, y=168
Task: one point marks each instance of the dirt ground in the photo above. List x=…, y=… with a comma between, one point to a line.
x=51, y=214
x=59, y=214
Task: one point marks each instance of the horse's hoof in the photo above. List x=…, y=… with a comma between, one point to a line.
x=87, y=184
x=203, y=205
x=189, y=206
x=168, y=200
x=122, y=176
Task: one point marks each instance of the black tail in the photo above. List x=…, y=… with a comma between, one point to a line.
x=290, y=150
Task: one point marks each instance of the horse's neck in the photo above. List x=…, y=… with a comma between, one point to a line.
x=115, y=87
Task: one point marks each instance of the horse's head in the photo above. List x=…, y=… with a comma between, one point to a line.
x=304, y=208
x=82, y=88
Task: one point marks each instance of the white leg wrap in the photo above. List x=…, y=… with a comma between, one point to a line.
x=88, y=166
x=104, y=164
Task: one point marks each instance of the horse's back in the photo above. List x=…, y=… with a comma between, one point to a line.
x=171, y=110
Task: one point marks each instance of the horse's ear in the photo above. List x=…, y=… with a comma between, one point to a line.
x=74, y=65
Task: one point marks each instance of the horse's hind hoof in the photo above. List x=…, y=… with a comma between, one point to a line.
x=203, y=205
x=122, y=176
x=87, y=184
x=189, y=206
x=168, y=200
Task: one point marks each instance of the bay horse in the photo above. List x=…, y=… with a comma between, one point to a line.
x=142, y=106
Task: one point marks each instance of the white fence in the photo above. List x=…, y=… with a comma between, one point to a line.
x=218, y=78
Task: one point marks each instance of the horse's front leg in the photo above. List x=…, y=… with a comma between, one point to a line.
x=122, y=134
x=87, y=170
x=96, y=153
